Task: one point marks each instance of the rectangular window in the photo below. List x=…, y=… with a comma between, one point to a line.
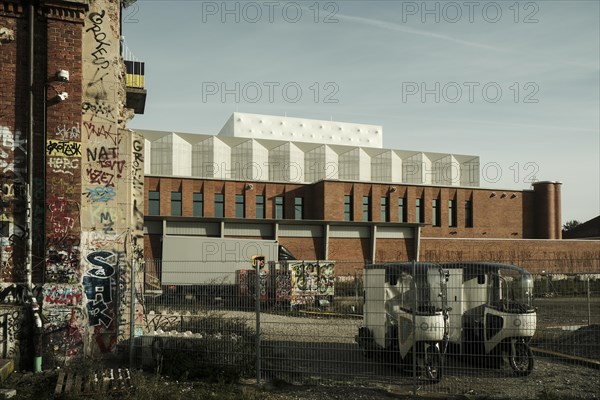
x=385, y=217
x=279, y=214
x=260, y=206
x=299, y=208
x=240, y=211
x=219, y=205
x=419, y=215
x=452, y=213
x=401, y=209
x=468, y=213
x=153, y=203
x=198, y=199
x=366, y=208
x=347, y=208
x=176, y=204
x=435, y=212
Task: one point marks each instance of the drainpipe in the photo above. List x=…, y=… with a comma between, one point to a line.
x=29, y=265
x=417, y=242
x=37, y=335
x=35, y=309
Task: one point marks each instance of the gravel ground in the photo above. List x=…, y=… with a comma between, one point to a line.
x=313, y=353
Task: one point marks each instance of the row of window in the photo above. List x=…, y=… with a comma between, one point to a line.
x=402, y=211
x=240, y=208
x=219, y=202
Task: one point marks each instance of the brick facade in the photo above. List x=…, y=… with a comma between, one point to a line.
x=524, y=214
x=509, y=226
x=87, y=182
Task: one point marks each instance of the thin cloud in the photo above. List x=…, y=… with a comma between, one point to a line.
x=401, y=28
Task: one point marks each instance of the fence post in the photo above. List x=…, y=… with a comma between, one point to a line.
x=257, y=310
x=414, y=327
x=588, y=302
x=132, y=315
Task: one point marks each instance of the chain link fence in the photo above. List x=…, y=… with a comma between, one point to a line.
x=434, y=327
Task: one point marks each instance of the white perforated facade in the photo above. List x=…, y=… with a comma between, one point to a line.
x=282, y=149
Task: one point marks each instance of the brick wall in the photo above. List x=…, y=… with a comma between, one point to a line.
x=13, y=131
x=495, y=213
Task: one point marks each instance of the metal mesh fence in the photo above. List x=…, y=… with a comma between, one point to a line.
x=443, y=327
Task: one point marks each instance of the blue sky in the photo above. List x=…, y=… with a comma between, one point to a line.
x=516, y=83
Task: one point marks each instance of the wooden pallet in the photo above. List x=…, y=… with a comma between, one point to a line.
x=106, y=381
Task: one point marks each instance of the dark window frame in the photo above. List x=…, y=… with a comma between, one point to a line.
x=384, y=209
x=176, y=206
x=366, y=208
x=279, y=207
x=452, y=220
x=419, y=210
x=260, y=206
x=468, y=213
x=348, y=209
x=402, y=209
x=198, y=204
x=435, y=212
x=298, y=208
x=240, y=206
x=219, y=205
x=153, y=202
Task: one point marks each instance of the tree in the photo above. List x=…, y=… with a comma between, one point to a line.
x=570, y=225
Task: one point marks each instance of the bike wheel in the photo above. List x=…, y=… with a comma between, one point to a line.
x=520, y=359
x=432, y=363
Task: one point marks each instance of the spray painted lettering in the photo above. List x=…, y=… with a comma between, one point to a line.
x=63, y=215
x=99, y=109
x=104, y=131
x=62, y=295
x=68, y=133
x=100, y=37
x=12, y=153
x=99, y=177
x=100, y=194
x=98, y=287
x=63, y=148
x=63, y=165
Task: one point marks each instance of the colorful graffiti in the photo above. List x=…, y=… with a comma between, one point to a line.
x=13, y=228
x=97, y=283
x=283, y=285
x=311, y=279
x=63, y=334
x=65, y=295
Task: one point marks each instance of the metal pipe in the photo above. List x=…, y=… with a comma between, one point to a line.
x=29, y=265
x=414, y=327
x=588, y=302
x=373, y=243
x=256, y=261
x=417, y=242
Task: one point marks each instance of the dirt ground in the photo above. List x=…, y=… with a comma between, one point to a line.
x=306, y=366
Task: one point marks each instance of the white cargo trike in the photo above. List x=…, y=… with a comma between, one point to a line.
x=491, y=312
x=405, y=315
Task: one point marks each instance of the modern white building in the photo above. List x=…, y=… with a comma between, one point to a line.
x=284, y=149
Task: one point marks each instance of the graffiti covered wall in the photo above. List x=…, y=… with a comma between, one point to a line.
x=111, y=192
x=310, y=280
x=13, y=223
x=94, y=194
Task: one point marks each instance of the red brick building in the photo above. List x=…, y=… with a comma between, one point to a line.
x=63, y=106
x=353, y=222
